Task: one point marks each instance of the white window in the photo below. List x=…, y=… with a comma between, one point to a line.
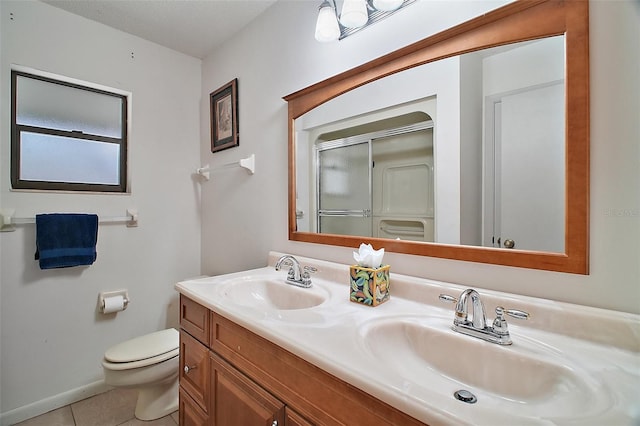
x=67, y=136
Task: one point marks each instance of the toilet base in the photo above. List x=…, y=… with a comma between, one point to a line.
x=157, y=401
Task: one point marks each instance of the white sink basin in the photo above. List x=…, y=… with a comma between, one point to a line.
x=263, y=292
x=528, y=377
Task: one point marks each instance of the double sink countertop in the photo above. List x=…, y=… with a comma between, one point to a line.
x=568, y=364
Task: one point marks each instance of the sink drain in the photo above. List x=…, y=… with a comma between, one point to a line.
x=465, y=396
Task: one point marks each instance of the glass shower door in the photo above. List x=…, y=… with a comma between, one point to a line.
x=344, y=189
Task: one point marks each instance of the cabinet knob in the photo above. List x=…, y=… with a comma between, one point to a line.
x=187, y=368
x=275, y=423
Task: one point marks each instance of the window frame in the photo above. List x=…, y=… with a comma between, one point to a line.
x=17, y=129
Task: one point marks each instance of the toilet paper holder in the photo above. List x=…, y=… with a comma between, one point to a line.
x=103, y=296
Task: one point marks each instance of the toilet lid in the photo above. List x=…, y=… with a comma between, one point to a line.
x=143, y=347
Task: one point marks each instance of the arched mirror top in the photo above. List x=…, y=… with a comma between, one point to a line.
x=520, y=21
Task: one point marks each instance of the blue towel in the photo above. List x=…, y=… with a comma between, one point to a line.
x=66, y=239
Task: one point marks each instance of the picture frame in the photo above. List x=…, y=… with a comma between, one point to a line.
x=223, y=104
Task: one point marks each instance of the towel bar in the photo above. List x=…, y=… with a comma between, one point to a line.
x=248, y=163
x=8, y=221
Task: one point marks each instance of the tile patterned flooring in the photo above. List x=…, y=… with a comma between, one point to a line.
x=113, y=408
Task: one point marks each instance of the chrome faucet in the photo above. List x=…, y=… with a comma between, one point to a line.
x=296, y=275
x=477, y=326
x=479, y=319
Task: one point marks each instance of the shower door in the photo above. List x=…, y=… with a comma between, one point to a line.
x=344, y=188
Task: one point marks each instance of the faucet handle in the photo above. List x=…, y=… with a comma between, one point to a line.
x=447, y=298
x=500, y=323
x=500, y=312
x=515, y=313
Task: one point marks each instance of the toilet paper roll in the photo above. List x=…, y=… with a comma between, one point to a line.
x=113, y=304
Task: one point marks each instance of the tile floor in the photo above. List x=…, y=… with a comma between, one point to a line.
x=113, y=408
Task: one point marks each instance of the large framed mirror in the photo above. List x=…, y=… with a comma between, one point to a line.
x=472, y=144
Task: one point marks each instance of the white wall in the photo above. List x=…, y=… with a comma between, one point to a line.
x=53, y=339
x=471, y=150
x=245, y=216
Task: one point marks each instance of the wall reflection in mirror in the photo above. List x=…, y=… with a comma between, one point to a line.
x=467, y=150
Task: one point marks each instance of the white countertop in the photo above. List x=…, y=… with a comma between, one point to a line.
x=599, y=350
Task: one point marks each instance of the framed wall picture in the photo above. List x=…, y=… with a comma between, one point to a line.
x=224, y=116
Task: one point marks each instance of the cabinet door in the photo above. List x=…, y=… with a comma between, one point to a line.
x=190, y=413
x=236, y=400
x=294, y=419
x=194, y=369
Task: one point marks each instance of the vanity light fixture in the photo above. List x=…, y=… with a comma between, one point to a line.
x=354, y=16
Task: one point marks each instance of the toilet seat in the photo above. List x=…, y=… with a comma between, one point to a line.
x=143, y=351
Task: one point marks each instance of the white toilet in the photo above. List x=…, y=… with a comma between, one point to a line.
x=150, y=364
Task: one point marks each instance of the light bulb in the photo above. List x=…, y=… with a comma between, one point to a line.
x=354, y=13
x=387, y=5
x=327, y=28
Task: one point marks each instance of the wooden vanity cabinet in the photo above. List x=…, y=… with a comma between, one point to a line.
x=243, y=379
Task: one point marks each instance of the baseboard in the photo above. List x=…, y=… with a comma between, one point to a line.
x=48, y=404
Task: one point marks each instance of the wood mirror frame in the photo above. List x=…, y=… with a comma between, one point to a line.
x=519, y=21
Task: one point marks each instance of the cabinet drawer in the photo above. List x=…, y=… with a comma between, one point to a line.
x=194, y=318
x=194, y=369
x=190, y=413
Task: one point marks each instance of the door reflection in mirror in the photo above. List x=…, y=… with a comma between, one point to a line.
x=524, y=171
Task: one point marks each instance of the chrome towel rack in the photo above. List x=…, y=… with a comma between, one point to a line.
x=8, y=221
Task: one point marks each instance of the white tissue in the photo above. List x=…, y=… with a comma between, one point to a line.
x=367, y=257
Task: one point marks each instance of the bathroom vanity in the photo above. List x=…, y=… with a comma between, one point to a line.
x=259, y=383
x=256, y=350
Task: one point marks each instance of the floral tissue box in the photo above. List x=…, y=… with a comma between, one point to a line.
x=369, y=286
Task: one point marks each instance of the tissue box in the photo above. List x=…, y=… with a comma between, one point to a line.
x=369, y=286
